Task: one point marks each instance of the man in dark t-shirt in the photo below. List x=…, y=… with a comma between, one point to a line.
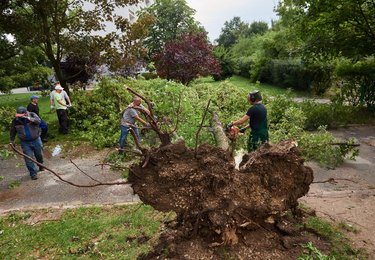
x=257, y=116
x=33, y=107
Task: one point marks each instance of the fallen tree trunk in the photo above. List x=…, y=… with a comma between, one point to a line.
x=221, y=139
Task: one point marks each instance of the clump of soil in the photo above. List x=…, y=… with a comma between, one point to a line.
x=219, y=206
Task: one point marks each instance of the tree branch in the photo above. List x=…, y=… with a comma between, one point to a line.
x=164, y=137
x=177, y=114
x=62, y=179
x=200, y=127
x=83, y=171
x=334, y=180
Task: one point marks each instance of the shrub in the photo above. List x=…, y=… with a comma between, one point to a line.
x=243, y=67
x=286, y=73
x=331, y=115
x=357, y=81
x=6, y=116
x=149, y=75
x=321, y=77
x=226, y=63
x=314, y=146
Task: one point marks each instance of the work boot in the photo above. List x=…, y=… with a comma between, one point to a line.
x=34, y=177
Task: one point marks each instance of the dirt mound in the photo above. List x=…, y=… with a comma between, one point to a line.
x=213, y=199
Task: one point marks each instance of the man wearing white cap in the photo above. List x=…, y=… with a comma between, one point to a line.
x=61, y=106
x=63, y=94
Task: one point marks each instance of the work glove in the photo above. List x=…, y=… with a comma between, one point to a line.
x=52, y=107
x=229, y=125
x=243, y=129
x=12, y=143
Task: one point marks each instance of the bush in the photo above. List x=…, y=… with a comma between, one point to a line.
x=357, y=81
x=331, y=115
x=243, y=67
x=6, y=115
x=322, y=77
x=287, y=73
x=226, y=63
x=314, y=146
x=149, y=75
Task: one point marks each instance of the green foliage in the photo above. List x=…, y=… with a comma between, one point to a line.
x=313, y=253
x=341, y=248
x=23, y=69
x=149, y=75
x=357, y=81
x=226, y=63
x=330, y=28
x=6, y=114
x=234, y=29
x=14, y=184
x=288, y=121
x=48, y=25
x=172, y=17
x=287, y=73
x=6, y=154
x=97, y=115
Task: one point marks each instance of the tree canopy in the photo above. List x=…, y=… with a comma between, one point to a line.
x=172, y=18
x=234, y=29
x=62, y=27
x=332, y=28
x=23, y=68
x=187, y=58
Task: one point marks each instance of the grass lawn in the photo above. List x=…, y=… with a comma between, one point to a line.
x=115, y=232
x=120, y=232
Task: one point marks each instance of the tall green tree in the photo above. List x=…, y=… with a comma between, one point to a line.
x=232, y=31
x=60, y=27
x=25, y=67
x=332, y=28
x=172, y=18
x=258, y=27
x=235, y=29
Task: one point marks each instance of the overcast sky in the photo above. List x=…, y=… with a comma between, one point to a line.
x=213, y=13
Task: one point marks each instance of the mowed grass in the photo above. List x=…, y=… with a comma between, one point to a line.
x=119, y=232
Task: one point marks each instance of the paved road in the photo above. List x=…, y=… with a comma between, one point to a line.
x=352, y=199
x=48, y=191
x=20, y=91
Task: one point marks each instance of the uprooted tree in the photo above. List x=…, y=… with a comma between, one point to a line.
x=211, y=197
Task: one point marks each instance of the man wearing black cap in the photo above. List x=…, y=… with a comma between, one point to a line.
x=257, y=116
x=26, y=126
x=33, y=107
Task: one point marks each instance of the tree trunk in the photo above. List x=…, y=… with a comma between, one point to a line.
x=222, y=140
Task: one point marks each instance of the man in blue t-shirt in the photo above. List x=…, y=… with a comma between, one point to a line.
x=257, y=116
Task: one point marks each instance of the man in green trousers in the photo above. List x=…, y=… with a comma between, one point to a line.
x=257, y=116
